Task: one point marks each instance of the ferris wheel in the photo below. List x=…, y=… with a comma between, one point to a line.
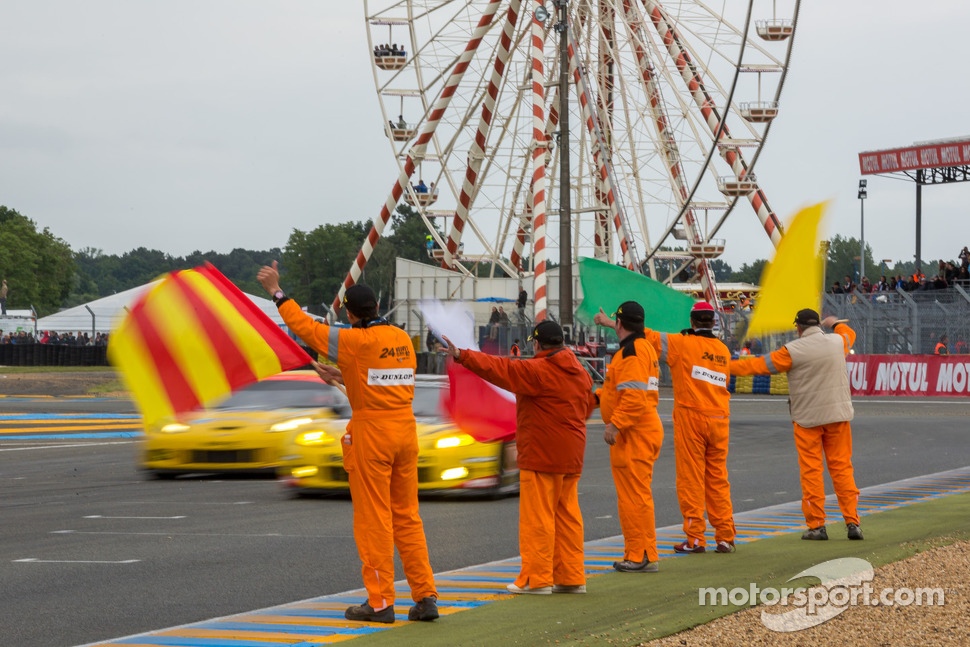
x=668, y=104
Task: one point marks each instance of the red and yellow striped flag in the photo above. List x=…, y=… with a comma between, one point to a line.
x=193, y=338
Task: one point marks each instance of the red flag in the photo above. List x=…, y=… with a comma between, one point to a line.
x=193, y=338
x=483, y=411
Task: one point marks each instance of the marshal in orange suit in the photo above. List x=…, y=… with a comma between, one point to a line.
x=821, y=411
x=628, y=404
x=375, y=362
x=554, y=397
x=699, y=370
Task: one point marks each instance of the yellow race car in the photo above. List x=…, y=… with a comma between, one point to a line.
x=244, y=432
x=450, y=461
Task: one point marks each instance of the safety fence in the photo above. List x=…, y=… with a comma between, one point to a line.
x=52, y=355
x=899, y=323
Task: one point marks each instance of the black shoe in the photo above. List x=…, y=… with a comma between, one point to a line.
x=853, y=530
x=816, y=534
x=627, y=566
x=425, y=611
x=366, y=613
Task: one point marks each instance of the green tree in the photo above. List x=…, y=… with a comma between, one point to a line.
x=750, y=273
x=843, y=260
x=722, y=271
x=38, y=266
x=314, y=264
x=239, y=266
x=408, y=235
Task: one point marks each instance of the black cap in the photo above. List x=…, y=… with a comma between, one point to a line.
x=547, y=332
x=630, y=312
x=807, y=317
x=360, y=301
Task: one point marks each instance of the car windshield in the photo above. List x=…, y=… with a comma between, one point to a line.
x=283, y=394
x=427, y=400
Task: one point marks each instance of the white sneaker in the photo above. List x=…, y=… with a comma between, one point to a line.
x=566, y=588
x=542, y=590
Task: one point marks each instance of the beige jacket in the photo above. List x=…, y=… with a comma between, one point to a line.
x=818, y=382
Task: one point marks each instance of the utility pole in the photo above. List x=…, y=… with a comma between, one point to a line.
x=862, y=228
x=565, y=211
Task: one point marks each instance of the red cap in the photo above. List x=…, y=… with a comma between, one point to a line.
x=702, y=306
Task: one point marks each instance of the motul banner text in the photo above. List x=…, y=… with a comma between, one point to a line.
x=909, y=375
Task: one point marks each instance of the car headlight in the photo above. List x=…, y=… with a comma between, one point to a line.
x=454, y=473
x=457, y=440
x=290, y=425
x=314, y=439
x=174, y=428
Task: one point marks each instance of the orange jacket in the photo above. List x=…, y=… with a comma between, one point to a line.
x=699, y=369
x=377, y=362
x=940, y=349
x=630, y=392
x=553, y=399
x=780, y=360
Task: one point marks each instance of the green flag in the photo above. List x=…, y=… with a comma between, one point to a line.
x=607, y=286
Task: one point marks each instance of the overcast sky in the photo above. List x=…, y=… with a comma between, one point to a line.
x=190, y=125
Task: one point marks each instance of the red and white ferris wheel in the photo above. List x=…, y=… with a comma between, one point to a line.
x=669, y=107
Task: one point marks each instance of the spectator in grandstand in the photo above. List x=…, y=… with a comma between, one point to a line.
x=503, y=317
x=865, y=286
x=882, y=285
x=964, y=258
x=963, y=277
x=837, y=288
x=848, y=285
x=949, y=272
x=941, y=346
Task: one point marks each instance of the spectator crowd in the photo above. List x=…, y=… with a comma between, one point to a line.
x=53, y=338
x=948, y=274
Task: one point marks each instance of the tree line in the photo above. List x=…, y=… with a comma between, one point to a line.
x=43, y=271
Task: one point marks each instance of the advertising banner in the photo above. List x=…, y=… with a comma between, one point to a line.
x=947, y=375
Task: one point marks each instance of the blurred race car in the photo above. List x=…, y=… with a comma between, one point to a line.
x=450, y=461
x=244, y=432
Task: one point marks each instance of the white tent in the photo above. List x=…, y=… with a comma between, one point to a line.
x=101, y=315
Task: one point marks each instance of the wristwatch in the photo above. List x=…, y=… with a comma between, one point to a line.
x=278, y=296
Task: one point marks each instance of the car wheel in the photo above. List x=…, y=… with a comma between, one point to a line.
x=504, y=489
x=152, y=475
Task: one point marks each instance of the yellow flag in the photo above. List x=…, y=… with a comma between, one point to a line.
x=793, y=279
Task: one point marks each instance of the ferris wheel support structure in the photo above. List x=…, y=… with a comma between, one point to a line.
x=417, y=152
x=707, y=106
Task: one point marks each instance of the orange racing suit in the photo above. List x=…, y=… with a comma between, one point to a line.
x=628, y=401
x=702, y=405
x=380, y=449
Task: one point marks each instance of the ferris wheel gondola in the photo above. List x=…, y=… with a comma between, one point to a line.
x=671, y=104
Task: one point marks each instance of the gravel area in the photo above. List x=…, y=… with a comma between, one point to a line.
x=946, y=567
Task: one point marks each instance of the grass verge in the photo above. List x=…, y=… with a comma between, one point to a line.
x=629, y=609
